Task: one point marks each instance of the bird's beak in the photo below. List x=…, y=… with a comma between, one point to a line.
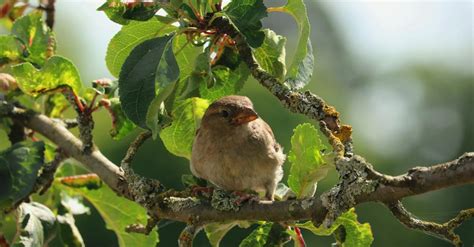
x=244, y=116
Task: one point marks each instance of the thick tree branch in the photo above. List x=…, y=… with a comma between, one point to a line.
x=95, y=161
x=359, y=183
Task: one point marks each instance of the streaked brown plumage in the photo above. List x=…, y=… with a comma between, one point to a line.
x=235, y=149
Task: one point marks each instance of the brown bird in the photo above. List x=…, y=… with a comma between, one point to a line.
x=235, y=149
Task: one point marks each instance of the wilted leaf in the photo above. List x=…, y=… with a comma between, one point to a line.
x=150, y=62
x=57, y=71
x=37, y=37
x=19, y=165
x=178, y=138
x=246, y=15
x=129, y=37
x=118, y=213
x=90, y=181
x=308, y=165
x=301, y=68
x=357, y=234
x=271, y=54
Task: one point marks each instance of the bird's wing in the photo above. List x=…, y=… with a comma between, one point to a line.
x=268, y=129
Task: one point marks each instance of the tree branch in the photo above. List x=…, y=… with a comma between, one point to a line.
x=444, y=231
x=95, y=161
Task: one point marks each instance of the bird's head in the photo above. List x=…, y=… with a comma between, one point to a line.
x=229, y=111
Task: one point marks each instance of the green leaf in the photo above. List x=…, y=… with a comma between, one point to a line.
x=225, y=82
x=121, y=125
x=114, y=9
x=271, y=55
x=301, y=68
x=37, y=223
x=67, y=232
x=55, y=105
x=215, y=232
x=118, y=213
x=150, y=62
x=37, y=37
x=246, y=15
x=258, y=237
x=129, y=37
x=11, y=49
x=178, y=138
x=19, y=165
x=308, y=165
x=141, y=11
x=156, y=117
x=122, y=12
x=56, y=72
x=356, y=234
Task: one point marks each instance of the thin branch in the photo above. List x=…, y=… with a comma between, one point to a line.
x=444, y=231
x=187, y=235
x=133, y=148
x=49, y=8
x=45, y=179
x=95, y=161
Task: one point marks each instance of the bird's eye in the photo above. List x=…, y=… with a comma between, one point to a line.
x=225, y=113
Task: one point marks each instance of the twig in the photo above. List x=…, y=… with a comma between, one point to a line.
x=187, y=235
x=133, y=148
x=45, y=179
x=444, y=231
x=49, y=8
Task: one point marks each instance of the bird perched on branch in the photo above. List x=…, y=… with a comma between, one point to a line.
x=235, y=149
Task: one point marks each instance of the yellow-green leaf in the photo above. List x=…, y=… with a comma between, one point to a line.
x=178, y=138
x=56, y=72
x=308, y=165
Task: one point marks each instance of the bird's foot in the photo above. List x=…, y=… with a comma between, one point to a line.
x=243, y=197
x=202, y=191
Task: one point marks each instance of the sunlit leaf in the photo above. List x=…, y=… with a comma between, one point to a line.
x=19, y=165
x=11, y=49
x=356, y=234
x=118, y=213
x=67, y=233
x=308, y=165
x=57, y=72
x=37, y=225
x=178, y=138
x=121, y=125
x=37, y=37
x=224, y=82
x=216, y=231
x=114, y=9
x=246, y=15
x=258, y=237
x=301, y=68
x=271, y=54
x=129, y=37
x=55, y=105
x=150, y=62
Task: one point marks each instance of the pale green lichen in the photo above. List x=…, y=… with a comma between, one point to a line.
x=178, y=204
x=353, y=182
x=224, y=201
